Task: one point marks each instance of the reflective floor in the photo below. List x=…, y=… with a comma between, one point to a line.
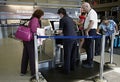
x=86, y=75
x=10, y=60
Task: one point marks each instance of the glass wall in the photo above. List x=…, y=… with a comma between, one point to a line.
x=107, y=1
x=94, y=2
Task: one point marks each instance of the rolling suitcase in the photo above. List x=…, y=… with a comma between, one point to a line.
x=116, y=42
x=119, y=41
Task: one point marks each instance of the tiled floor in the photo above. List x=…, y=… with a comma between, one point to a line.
x=10, y=60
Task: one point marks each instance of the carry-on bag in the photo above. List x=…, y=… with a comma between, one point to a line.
x=23, y=33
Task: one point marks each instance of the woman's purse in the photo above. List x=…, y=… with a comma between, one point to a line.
x=23, y=33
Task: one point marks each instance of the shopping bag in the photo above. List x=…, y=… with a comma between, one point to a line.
x=23, y=33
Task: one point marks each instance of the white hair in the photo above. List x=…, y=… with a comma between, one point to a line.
x=86, y=4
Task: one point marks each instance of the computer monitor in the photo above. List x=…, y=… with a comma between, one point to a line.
x=56, y=25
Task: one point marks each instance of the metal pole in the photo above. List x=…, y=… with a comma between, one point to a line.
x=111, y=64
x=111, y=51
x=36, y=57
x=102, y=58
x=101, y=78
x=11, y=32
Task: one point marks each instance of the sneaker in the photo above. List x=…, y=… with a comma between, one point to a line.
x=109, y=50
x=33, y=79
x=97, y=54
x=84, y=61
x=87, y=65
x=22, y=74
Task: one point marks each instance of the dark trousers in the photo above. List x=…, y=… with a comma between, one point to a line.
x=28, y=57
x=108, y=41
x=97, y=46
x=70, y=52
x=89, y=42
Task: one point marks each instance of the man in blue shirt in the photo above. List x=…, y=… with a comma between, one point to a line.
x=107, y=27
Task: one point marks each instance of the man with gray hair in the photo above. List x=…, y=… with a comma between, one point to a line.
x=90, y=27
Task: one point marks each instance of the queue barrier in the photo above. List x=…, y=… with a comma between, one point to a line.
x=69, y=37
x=100, y=79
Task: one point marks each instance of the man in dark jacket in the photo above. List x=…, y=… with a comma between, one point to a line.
x=67, y=26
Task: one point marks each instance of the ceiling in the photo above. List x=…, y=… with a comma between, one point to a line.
x=44, y=3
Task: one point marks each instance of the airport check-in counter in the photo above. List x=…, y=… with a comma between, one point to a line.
x=8, y=28
x=46, y=46
x=51, y=50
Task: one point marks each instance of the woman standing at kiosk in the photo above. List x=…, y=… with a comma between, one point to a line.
x=28, y=46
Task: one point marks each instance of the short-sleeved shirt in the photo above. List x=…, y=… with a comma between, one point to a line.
x=108, y=28
x=92, y=15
